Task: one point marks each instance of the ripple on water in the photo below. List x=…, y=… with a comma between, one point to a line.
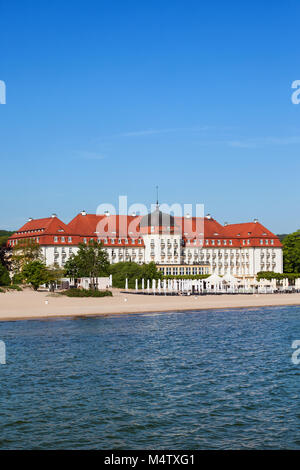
x=175, y=380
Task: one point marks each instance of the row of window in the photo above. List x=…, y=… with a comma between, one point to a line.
x=184, y=270
x=63, y=239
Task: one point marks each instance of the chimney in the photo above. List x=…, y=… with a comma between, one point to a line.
x=107, y=213
x=188, y=216
x=83, y=213
x=208, y=216
x=225, y=224
x=30, y=219
x=53, y=215
x=255, y=221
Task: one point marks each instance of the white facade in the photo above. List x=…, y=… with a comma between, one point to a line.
x=167, y=249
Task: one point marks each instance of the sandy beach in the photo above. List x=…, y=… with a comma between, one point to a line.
x=34, y=305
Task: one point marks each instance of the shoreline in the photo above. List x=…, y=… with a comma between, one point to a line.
x=30, y=305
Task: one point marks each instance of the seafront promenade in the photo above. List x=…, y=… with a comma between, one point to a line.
x=34, y=305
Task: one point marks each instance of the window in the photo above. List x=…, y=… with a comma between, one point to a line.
x=230, y=242
x=126, y=241
x=112, y=240
x=213, y=242
x=261, y=242
x=219, y=242
x=181, y=270
x=267, y=242
x=225, y=242
x=120, y=241
x=194, y=270
x=244, y=242
x=70, y=239
x=248, y=242
x=84, y=240
x=55, y=239
x=175, y=271
x=272, y=242
x=188, y=271
x=168, y=271
x=105, y=241
x=63, y=239
x=140, y=241
x=206, y=242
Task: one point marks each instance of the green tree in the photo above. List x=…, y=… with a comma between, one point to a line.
x=132, y=271
x=4, y=276
x=150, y=271
x=90, y=261
x=291, y=253
x=35, y=273
x=5, y=251
x=25, y=251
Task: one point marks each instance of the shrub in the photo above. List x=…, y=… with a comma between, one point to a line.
x=269, y=275
x=4, y=276
x=87, y=293
x=14, y=287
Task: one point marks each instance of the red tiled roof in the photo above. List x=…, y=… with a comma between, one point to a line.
x=115, y=227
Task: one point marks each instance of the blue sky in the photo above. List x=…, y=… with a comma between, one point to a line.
x=106, y=98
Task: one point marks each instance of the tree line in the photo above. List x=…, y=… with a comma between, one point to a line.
x=26, y=264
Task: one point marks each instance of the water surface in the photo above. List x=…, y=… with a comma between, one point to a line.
x=190, y=380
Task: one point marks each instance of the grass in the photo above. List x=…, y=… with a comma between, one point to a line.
x=12, y=287
x=87, y=293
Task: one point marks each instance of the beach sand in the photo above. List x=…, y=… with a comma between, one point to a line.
x=34, y=305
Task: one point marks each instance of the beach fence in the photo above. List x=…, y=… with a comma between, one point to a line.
x=214, y=284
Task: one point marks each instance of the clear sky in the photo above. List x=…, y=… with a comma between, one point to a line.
x=108, y=98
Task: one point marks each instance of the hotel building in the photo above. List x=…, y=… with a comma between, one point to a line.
x=178, y=245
